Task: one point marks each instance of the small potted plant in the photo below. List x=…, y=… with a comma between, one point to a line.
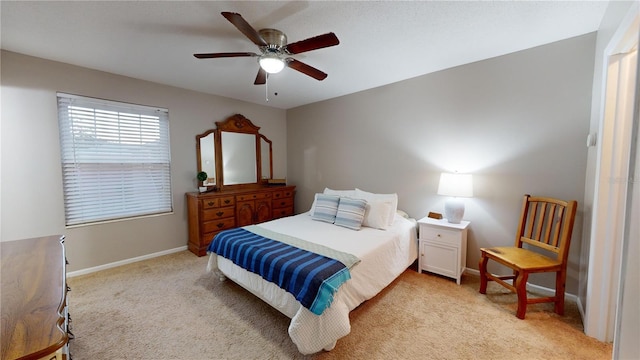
x=202, y=177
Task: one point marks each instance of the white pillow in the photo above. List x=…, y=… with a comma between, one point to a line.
x=341, y=193
x=403, y=214
x=377, y=214
x=371, y=197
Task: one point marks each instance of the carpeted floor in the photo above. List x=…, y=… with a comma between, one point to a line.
x=170, y=308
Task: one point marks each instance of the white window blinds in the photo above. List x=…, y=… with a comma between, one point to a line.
x=115, y=159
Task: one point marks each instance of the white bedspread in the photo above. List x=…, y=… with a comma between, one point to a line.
x=384, y=256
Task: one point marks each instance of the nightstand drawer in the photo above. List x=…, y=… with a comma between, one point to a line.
x=443, y=235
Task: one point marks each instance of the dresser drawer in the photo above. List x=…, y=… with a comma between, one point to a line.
x=281, y=203
x=227, y=200
x=282, y=212
x=210, y=203
x=217, y=225
x=283, y=194
x=216, y=202
x=256, y=196
x=218, y=213
x=442, y=235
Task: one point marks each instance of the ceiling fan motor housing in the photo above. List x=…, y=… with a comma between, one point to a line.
x=274, y=38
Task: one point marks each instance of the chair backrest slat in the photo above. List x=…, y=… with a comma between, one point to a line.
x=559, y=223
x=533, y=208
x=547, y=229
x=540, y=218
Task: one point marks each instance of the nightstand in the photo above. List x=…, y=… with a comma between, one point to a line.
x=443, y=247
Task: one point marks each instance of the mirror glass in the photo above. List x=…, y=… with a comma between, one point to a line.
x=265, y=161
x=239, y=158
x=208, y=159
x=234, y=154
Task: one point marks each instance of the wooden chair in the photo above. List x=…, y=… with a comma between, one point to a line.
x=545, y=227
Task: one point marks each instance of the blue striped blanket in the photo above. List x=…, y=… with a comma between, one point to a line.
x=310, y=277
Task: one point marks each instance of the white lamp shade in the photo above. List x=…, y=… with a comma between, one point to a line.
x=271, y=63
x=455, y=185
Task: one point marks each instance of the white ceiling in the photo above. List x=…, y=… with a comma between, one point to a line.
x=380, y=42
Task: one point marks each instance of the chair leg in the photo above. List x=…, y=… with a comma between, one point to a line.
x=483, y=273
x=520, y=284
x=561, y=279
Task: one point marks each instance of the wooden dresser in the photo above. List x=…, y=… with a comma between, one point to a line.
x=34, y=299
x=212, y=212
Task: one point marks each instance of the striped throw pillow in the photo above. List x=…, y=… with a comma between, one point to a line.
x=326, y=208
x=351, y=213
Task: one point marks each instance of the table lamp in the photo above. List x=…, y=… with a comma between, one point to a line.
x=455, y=186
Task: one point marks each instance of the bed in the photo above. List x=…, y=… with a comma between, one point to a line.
x=384, y=246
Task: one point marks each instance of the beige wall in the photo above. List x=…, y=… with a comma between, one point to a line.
x=518, y=123
x=31, y=182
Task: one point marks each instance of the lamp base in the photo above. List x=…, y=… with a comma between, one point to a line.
x=454, y=210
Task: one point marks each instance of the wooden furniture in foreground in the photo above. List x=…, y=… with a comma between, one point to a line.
x=34, y=301
x=442, y=247
x=212, y=212
x=546, y=224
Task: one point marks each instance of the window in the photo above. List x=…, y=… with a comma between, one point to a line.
x=116, y=160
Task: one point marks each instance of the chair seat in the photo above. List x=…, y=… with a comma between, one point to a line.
x=521, y=258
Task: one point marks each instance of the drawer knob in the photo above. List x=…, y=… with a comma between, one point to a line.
x=210, y=203
x=220, y=225
x=227, y=201
x=219, y=213
x=438, y=235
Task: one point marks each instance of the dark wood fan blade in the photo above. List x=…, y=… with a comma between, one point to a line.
x=316, y=42
x=261, y=78
x=238, y=21
x=224, y=55
x=306, y=69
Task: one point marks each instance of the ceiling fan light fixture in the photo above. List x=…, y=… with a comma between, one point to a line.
x=271, y=63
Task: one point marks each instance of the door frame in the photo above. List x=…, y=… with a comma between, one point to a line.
x=612, y=176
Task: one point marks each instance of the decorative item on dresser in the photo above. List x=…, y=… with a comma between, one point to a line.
x=442, y=247
x=210, y=213
x=35, y=321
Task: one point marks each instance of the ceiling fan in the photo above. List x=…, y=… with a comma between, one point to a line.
x=274, y=50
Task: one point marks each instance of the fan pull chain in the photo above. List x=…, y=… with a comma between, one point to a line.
x=266, y=87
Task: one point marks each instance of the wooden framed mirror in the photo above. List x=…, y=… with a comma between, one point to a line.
x=242, y=156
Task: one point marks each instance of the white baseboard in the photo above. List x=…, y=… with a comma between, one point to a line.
x=124, y=262
x=537, y=288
